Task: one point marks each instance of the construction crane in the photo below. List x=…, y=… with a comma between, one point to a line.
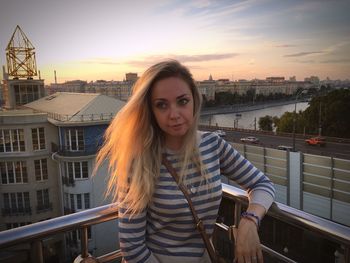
x=20, y=56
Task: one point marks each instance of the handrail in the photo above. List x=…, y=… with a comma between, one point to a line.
x=56, y=225
x=337, y=232
x=40, y=230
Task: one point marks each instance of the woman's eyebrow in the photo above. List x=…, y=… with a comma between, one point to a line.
x=178, y=97
x=183, y=95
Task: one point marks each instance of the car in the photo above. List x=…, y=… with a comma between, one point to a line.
x=221, y=133
x=320, y=141
x=250, y=139
x=285, y=148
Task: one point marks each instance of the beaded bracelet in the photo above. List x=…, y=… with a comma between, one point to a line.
x=249, y=215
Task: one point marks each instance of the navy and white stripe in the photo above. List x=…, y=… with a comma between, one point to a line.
x=166, y=228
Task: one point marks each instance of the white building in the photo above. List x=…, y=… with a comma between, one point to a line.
x=80, y=120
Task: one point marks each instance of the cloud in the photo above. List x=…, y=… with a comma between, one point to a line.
x=285, y=46
x=306, y=61
x=345, y=60
x=147, y=61
x=301, y=54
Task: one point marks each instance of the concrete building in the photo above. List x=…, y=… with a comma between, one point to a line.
x=29, y=186
x=117, y=89
x=79, y=121
x=17, y=92
x=131, y=77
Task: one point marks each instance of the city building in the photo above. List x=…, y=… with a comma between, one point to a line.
x=47, y=156
x=131, y=77
x=80, y=120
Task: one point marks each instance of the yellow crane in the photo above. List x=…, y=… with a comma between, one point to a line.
x=20, y=56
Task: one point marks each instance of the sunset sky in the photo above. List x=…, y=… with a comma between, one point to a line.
x=92, y=40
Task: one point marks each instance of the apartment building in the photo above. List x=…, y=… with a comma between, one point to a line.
x=79, y=121
x=29, y=183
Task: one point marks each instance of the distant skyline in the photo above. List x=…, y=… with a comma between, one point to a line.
x=92, y=40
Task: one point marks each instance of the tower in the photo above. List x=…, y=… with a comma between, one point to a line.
x=19, y=87
x=20, y=56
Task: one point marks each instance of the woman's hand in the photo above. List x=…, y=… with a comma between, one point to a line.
x=248, y=248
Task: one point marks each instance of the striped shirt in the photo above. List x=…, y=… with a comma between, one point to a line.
x=165, y=231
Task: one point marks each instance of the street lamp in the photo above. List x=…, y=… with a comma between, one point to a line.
x=303, y=91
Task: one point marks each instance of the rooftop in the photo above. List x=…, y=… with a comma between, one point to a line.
x=77, y=107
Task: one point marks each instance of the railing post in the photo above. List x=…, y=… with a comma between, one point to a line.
x=36, y=252
x=332, y=188
x=84, y=242
x=237, y=213
x=347, y=254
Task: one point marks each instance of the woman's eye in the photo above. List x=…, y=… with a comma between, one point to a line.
x=161, y=105
x=183, y=101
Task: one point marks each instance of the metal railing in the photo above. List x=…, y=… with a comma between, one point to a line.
x=82, y=117
x=35, y=233
x=15, y=211
x=87, y=149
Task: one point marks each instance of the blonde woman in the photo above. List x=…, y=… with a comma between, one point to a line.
x=155, y=223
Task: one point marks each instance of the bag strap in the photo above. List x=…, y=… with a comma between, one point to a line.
x=199, y=223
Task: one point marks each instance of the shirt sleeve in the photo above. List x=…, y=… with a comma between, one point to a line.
x=132, y=236
x=259, y=187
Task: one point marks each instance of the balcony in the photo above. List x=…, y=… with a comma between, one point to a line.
x=81, y=118
x=68, y=181
x=44, y=208
x=287, y=234
x=16, y=211
x=89, y=149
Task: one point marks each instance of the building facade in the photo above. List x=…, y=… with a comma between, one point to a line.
x=80, y=121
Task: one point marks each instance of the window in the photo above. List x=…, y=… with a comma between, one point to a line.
x=79, y=202
x=15, y=203
x=26, y=93
x=66, y=200
x=43, y=199
x=13, y=172
x=86, y=203
x=40, y=169
x=38, y=138
x=87, y=200
x=12, y=140
x=74, y=139
x=72, y=204
x=77, y=170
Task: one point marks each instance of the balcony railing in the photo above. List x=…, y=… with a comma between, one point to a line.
x=16, y=211
x=68, y=181
x=279, y=219
x=44, y=208
x=87, y=149
x=81, y=118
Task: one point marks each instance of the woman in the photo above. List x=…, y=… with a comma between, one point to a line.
x=155, y=223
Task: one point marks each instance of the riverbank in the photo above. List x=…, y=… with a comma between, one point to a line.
x=237, y=108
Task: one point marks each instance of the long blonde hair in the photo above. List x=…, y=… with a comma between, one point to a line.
x=134, y=142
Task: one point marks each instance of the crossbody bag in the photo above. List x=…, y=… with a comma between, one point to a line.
x=214, y=257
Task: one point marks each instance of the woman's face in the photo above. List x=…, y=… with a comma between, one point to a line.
x=172, y=106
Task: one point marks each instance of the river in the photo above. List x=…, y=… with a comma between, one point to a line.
x=246, y=119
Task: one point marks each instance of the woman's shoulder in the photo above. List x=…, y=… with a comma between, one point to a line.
x=205, y=137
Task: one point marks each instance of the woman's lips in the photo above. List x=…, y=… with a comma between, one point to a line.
x=176, y=126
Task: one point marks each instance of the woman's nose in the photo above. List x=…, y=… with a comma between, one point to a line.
x=174, y=113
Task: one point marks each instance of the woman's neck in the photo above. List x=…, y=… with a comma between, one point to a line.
x=174, y=144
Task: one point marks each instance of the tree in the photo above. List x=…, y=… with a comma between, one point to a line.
x=265, y=123
x=330, y=112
